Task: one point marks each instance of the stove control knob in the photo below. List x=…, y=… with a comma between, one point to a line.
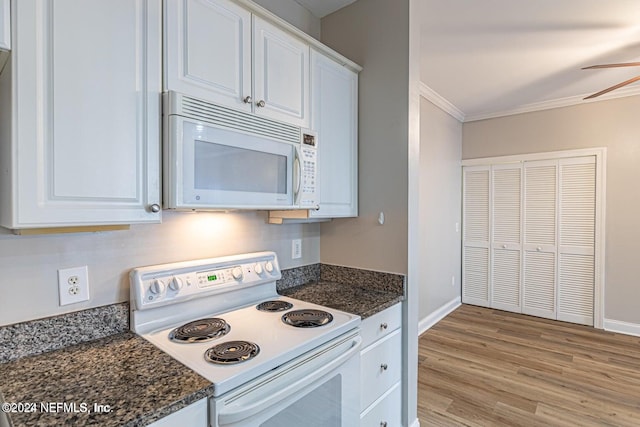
x=237, y=273
x=157, y=286
x=175, y=284
x=269, y=267
x=258, y=269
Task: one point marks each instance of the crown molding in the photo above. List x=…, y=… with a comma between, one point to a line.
x=440, y=102
x=555, y=103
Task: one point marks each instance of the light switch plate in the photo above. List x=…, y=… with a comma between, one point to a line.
x=296, y=248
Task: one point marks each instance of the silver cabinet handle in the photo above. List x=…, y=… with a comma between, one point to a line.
x=504, y=246
x=261, y=103
x=247, y=100
x=383, y=326
x=383, y=424
x=384, y=367
x=155, y=208
x=538, y=249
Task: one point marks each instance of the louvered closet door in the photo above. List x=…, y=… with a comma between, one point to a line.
x=475, y=237
x=576, y=228
x=506, y=245
x=539, y=245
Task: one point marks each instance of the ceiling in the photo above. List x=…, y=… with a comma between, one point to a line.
x=489, y=58
x=496, y=57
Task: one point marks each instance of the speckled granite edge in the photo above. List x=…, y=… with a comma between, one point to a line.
x=53, y=333
x=139, y=383
x=385, y=282
x=297, y=276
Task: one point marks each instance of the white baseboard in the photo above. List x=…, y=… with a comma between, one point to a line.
x=438, y=315
x=415, y=423
x=622, y=327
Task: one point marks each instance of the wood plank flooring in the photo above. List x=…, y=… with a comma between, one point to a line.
x=484, y=367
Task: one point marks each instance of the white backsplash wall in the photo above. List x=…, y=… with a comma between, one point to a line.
x=29, y=264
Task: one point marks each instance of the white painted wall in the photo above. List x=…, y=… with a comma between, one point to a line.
x=29, y=263
x=440, y=208
x=613, y=124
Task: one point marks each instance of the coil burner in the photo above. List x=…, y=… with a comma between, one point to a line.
x=274, y=305
x=308, y=318
x=231, y=352
x=200, y=330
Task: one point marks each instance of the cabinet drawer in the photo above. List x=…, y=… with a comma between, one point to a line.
x=380, y=368
x=194, y=415
x=386, y=411
x=380, y=324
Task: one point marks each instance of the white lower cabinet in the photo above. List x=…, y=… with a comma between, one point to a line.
x=381, y=369
x=194, y=415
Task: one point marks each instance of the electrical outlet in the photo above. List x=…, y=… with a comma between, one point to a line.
x=296, y=248
x=73, y=285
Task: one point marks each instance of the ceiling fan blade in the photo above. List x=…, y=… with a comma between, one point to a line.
x=622, y=64
x=609, y=89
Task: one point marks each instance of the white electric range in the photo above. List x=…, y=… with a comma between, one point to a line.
x=273, y=360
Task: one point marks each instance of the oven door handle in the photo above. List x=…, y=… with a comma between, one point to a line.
x=242, y=412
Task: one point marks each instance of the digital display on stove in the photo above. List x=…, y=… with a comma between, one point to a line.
x=212, y=277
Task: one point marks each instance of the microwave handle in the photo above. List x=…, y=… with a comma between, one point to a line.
x=297, y=176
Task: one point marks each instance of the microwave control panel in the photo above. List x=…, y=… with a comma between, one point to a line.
x=308, y=194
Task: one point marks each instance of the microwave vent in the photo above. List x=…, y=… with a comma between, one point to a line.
x=238, y=120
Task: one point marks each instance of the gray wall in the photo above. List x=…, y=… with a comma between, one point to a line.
x=613, y=124
x=440, y=207
x=29, y=264
x=294, y=14
x=375, y=34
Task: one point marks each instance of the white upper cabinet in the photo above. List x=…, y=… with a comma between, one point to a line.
x=80, y=123
x=209, y=48
x=281, y=74
x=334, y=94
x=5, y=24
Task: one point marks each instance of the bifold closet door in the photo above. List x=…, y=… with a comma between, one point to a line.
x=576, y=239
x=475, y=235
x=539, y=238
x=506, y=224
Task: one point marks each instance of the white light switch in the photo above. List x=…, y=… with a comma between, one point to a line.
x=296, y=248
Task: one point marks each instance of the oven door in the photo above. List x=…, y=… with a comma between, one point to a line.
x=215, y=168
x=316, y=390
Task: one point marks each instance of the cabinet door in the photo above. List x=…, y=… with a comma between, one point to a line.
x=86, y=114
x=208, y=51
x=334, y=98
x=505, y=243
x=281, y=74
x=540, y=250
x=5, y=25
x=475, y=237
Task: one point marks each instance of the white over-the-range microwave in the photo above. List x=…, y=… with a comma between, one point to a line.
x=217, y=158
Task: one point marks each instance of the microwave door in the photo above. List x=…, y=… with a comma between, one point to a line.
x=232, y=170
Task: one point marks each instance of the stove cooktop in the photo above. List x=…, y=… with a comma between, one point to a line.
x=276, y=341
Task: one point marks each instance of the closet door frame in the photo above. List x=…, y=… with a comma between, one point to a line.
x=600, y=154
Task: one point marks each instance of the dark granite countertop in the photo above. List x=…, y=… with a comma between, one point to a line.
x=356, y=299
x=138, y=382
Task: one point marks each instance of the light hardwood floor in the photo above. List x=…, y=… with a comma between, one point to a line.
x=484, y=367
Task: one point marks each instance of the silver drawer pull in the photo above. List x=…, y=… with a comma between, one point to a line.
x=383, y=424
x=247, y=100
x=261, y=103
x=384, y=367
x=383, y=326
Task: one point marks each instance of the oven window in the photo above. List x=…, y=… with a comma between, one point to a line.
x=225, y=168
x=321, y=407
